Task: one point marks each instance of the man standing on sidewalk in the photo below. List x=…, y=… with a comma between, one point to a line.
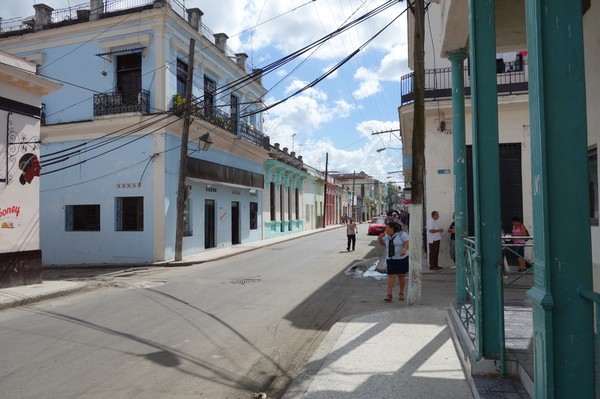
x=351, y=230
x=434, y=238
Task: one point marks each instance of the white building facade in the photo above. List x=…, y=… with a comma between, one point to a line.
x=20, y=114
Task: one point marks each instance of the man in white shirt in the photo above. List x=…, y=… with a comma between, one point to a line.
x=434, y=237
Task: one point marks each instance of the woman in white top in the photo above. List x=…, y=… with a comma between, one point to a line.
x=396, y=242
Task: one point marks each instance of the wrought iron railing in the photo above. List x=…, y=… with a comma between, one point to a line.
x=215, y=116
x=122, y=102
x=471, y=312
x=250, y=134
x=473, y=287
x=512, y=78
x=508, y=248
x=212, y=114
x=81, y=13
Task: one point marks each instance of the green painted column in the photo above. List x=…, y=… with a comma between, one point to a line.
x=457, y=59
x=486, y=171
x=562, y=320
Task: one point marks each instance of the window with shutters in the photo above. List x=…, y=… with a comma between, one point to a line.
x=210, y=87
x=182, y=68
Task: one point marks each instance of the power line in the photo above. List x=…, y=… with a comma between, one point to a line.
x=247, y=79
x=329, y=72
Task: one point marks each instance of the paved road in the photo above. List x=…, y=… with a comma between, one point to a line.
x=223, y=329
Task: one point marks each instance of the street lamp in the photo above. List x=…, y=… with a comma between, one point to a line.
x=204, y=142
x=388, y=148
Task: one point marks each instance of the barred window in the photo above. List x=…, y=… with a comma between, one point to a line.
x=130, y=213
x=82, y=218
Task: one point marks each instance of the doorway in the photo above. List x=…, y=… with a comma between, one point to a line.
x=235, y=223
x=511, y=186
x=209, y=223
x=129, y=77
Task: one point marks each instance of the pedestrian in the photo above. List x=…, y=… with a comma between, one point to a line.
x=518, y=229
x=396, y=242
x=434, y=237
x=351, y=231
x=404, y=219
x=452, y=232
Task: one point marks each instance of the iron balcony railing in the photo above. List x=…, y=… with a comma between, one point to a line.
x=511, y=77
x=252, y=135
x=215, y=116
x=122, y=102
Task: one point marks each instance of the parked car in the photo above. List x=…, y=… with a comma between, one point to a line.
x=376, y=226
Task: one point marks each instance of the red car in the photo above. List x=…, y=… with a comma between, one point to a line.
x=376, y=226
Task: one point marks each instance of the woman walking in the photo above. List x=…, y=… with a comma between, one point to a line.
x=396, y=242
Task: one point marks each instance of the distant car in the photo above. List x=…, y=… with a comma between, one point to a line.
x=376, y=226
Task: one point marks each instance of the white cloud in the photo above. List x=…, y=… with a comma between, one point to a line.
x=342, y=108
x=340, y=113
x=394, y=64
x=369, y=83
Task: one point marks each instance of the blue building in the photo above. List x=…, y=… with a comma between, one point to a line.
x=111, y=137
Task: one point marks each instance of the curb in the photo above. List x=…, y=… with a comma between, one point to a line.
x=21, y=300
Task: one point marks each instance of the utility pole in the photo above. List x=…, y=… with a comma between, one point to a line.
x=181, y=191
x=325, y=190
x=418, y=155
x=353, y=181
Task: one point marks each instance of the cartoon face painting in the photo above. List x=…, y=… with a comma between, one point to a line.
x=30, y=165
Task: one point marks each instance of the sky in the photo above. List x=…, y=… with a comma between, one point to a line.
x=337, y=116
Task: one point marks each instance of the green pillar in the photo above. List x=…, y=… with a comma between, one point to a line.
x=562, y=320
x=486, y=171
x=457, y=59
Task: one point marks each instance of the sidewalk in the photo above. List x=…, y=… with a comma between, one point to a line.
x=404, y=352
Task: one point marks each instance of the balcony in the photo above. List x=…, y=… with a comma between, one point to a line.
x=512, y=78
x=216, y=117
x=122, y=102
x=252, y=135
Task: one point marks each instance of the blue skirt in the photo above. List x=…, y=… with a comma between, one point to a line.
x=397, y=266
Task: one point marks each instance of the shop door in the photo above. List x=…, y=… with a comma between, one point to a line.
x=209, y=223
x=235, y=223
